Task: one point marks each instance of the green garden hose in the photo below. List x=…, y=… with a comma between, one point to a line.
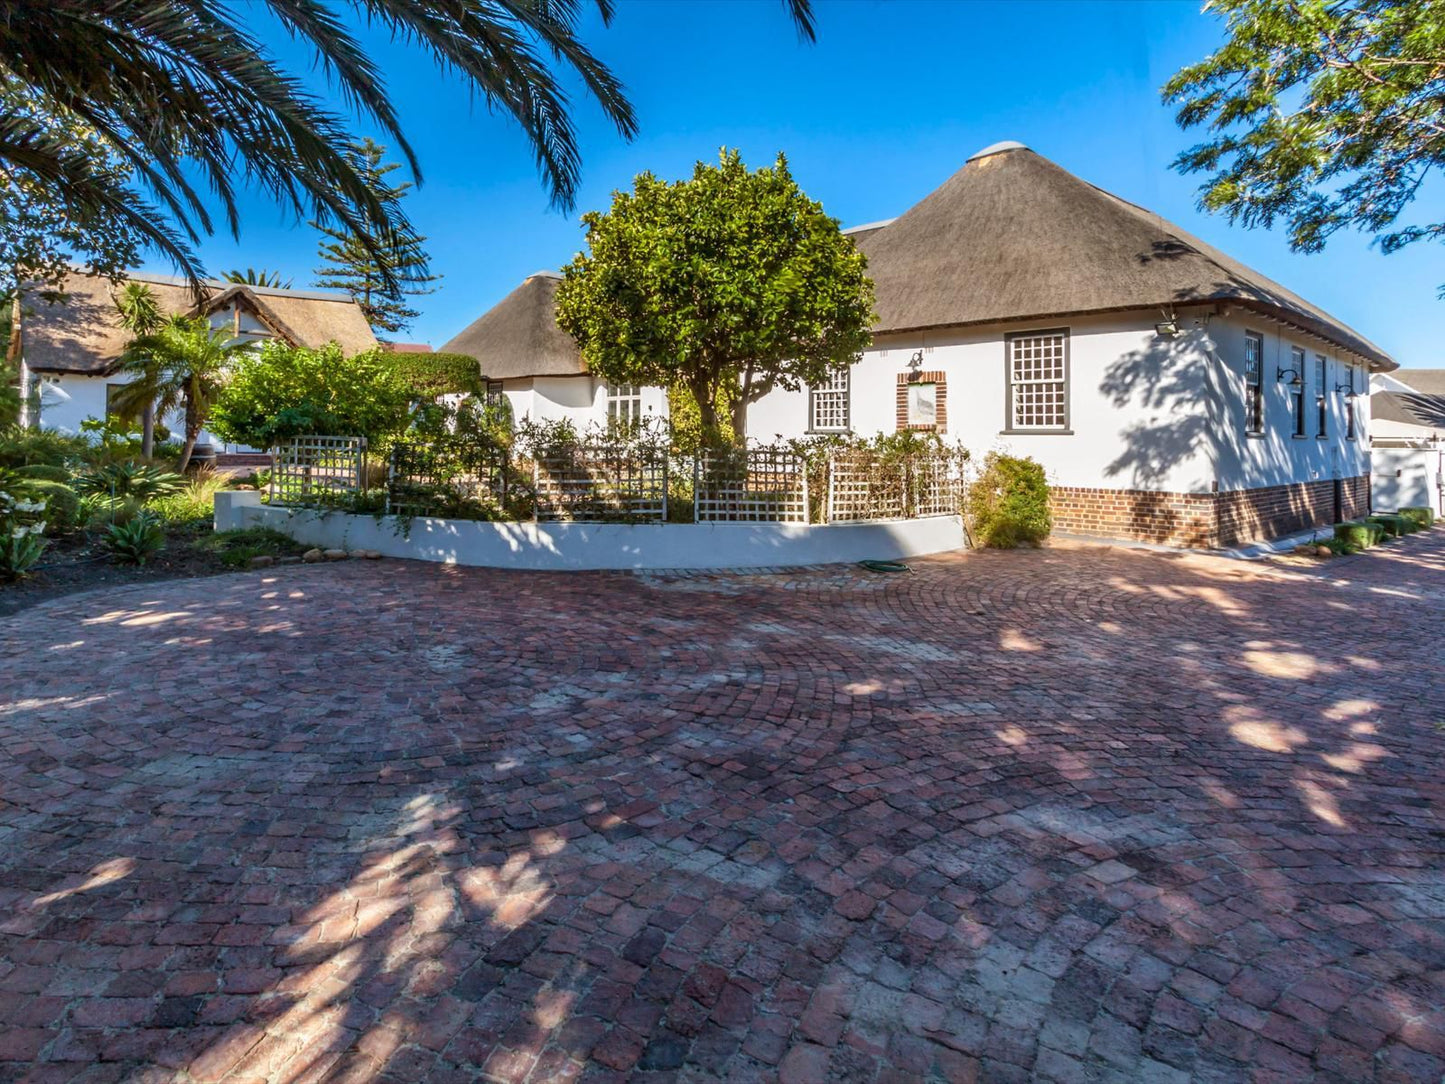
x=885, y=566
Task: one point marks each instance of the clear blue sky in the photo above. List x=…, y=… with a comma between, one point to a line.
x=889, y=102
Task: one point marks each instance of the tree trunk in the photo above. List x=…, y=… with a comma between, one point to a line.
x=193, y=431
x=13, y=354
x=148, y=431
x=706, y=410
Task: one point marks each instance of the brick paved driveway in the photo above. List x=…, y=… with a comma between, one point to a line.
x=1079, y=814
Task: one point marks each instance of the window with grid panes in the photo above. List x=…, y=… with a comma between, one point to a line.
x=1297, y=391
x=828, y=405
x=1253, y=382
x=1038, y=380
x=1322, y=411
x=624, y=403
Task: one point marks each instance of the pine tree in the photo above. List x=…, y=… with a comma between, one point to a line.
x=382, y=284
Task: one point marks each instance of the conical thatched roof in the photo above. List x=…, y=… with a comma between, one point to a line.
x=83, y=334
x=519, y=336
x=1013, y=236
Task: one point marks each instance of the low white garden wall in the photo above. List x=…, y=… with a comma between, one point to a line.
x=599, y=545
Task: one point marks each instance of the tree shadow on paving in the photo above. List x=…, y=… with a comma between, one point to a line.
x=1015, y=815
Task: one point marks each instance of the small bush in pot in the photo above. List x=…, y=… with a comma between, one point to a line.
x=1009, y=502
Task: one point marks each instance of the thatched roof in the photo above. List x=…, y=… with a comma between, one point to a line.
x=1012, y=236
x=1422, y=404
x=519, y=336
x=83, y=334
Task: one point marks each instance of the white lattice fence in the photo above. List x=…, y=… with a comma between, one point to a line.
x=935, y=486
x=598, y=483
x=861, y=486
x=317, y=470
x=760, y=485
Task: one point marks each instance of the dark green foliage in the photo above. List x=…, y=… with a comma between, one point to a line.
x=431, y=375
x=62, y=504
x=1009, y=502
x=136, y=541
x=236, y=548
x=251, y=277
x=45, y=471
x=1393, y=526
x=23, y=447
x=138, y=480
x=1322, y=116
x=1421, y=515
x=1360, y=535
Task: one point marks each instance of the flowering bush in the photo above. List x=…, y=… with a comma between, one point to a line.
x=22, y=533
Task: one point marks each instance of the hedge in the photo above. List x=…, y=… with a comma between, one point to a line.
x=1360, y=535
x=45, y=472
x=1419, y=514
x=430, y=375
x=1394, y=526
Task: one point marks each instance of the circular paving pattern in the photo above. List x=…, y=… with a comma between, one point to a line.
x=1075, y=814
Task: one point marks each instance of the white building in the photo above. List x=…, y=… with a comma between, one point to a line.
x=1407, y=439
x=1172, y=393
x=73, y=348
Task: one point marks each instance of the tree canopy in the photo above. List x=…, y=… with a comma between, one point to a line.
x=1321, y=115
x=379, y=279
x=192, y=100
x=730, y=283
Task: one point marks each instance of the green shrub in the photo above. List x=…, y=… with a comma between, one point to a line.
x=1359, y=534
x=137, y=541
x=139, y=480
x=194, y=503
x=1421, y=515
x=25, y=447
x=1009, y=502
x=44, y=471
x=431, y=375
x=1393, y=526
x=236, y=548
x=62, y=504
x=22, y=526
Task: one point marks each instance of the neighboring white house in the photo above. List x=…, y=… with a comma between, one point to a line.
x=73, y=348
x=1172, y=394
x=1407, y=439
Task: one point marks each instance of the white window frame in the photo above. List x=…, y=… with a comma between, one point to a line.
x=829, y=407
x=1254, y=385
x=1298, y=359
x=624, y=403
x=1045, y=374
x=1322, y=410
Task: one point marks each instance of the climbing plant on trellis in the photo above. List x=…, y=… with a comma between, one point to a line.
x=317, y=471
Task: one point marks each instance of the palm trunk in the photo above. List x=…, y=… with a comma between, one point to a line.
x=148, y=431
x=186, y=450
x=13, y=354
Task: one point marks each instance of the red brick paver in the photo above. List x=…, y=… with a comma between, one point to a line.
x=1077, y=814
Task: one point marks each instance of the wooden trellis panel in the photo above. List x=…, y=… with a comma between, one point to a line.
x=935, y=486
x=761, y=485
x=317, y=471
x=437, y=480
x=601, y=483
x=861, y=487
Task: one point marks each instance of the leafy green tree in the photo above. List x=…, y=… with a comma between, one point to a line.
x=729, y=284
x=279, y=392
x=191, y=98
x=1322, y=115
x=191, y=360
x=252, y=277
x=379, y=279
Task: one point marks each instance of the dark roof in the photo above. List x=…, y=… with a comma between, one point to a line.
x=1423, y=404
x=519, y=336
x=82, y=334
x=1012, y=236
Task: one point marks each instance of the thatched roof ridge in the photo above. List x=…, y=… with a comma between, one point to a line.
x=83, y=334
x=519, y=336
x=1013, y=236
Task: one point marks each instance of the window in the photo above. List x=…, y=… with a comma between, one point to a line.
x=110, y=393
x=1350, y=404
x=494, y=393
x=624, y=403
x=1297, y=389
x=1038, y=379
x=1322, y=410
x=1253, y=383
x=828, y=405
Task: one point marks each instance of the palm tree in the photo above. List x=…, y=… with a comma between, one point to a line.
x=252, y=277
x=184, y=90
x=140, y=314
x=188, y=359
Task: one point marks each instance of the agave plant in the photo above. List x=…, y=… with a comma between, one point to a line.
x=137, y=541
x=138, y=480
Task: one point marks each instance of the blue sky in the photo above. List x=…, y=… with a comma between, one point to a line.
x=889, y=102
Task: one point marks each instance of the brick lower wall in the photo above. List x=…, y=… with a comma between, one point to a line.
x=1206, y=519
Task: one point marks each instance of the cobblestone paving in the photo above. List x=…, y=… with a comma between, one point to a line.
x=1077, y=814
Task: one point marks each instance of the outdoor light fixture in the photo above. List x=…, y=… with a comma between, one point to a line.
x=916, y=362
x=1348, y=389
x=1166, y=329
x=1294, y=376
